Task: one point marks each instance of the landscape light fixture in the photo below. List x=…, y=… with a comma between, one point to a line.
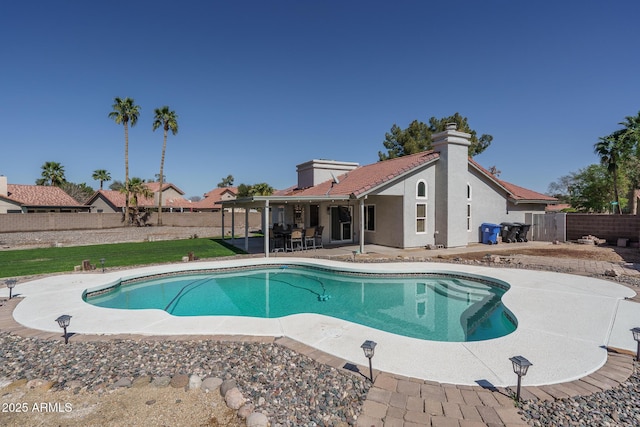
x=102, y=260
x=63, y=322
x=520, y=367
x=636, y=337
x=11, y=283
x=369, y=348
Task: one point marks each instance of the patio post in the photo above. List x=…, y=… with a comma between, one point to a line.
x=222, y=212
x=265, y=228
x=233, y=225
x=246, y=229
x=361, y=237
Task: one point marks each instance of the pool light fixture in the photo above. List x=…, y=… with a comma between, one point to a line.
x=11, y=283
x=520, y=367
x=102, y=260
x=63, y=322
x=369, y=348
x=636, y=336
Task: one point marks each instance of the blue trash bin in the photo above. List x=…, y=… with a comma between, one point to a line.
x=490, y=233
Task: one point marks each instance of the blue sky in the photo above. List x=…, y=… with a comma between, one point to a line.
x=261, y=86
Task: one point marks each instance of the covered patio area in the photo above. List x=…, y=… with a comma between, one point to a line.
x=339, y=219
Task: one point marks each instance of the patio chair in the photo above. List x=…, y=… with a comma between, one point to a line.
x=296, y=242
x=276, y=242
x=310, y=238
x=318, y=236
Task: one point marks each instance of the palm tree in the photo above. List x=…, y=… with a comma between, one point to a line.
x=169, y=122
x=610, y=149
x=136, y=188
x=101, y=175
x=631, y=138
x=52, y=174
x=124, y=112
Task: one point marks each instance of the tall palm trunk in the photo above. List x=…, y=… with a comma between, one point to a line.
x=126, y=170
x=615, y=192
x=164, y=147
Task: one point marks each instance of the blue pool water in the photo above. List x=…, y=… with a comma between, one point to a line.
x=438, y=308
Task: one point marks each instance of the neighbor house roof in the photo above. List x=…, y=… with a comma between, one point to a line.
x=40, y=195
x=155, y=187
x=212, y=198
x=118, y=200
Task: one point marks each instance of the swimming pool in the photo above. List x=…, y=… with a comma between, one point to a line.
x=437, y=307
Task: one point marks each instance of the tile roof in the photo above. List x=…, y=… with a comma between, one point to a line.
x=368, y=177
x=365, y=178
x=118, y=200
x=516, y=192
x=212, y=197
x=39, y=195
x=155, y=186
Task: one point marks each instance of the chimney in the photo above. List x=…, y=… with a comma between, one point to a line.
x=314, y=172
x=451, y=186
x=3, y=186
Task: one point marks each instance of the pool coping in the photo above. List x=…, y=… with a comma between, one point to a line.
x=565, y=322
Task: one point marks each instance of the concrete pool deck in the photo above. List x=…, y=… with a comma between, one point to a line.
x=566, y=322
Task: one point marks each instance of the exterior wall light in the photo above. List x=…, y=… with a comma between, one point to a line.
x=102, y=260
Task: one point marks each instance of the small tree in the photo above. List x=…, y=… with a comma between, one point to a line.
x=52, y=174
x=136, y=188
x=101, y=175
x=418, y=137
x=226, y=182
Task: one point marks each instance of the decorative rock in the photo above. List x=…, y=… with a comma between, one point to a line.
x=141, y=381
x=161, y=381
x=16, y=384
x=256, y=419
x=234, y=398
x=226, y=386
x=245, y=410
x=179, y=381
x=4, y=381
x=611, y=273
x=211, y=383
x=40, y=384
x=123, y=382
x=194, y=382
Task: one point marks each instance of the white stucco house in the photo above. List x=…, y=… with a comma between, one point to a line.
x=436, y=197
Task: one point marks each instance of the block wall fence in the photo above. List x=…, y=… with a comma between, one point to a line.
x=609, y=227
x=10, y=223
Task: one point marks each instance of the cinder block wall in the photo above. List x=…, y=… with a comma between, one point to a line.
x=609, y=227
x=94, y=221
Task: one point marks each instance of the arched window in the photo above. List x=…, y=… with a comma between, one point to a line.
x=421, y=192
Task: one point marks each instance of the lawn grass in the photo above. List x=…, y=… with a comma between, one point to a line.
x=24, y=262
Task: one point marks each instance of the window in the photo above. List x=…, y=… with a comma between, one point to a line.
x=421, y=218
x=370, y=218
x=468, y=192
x=421, y=190
x=468, y=216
